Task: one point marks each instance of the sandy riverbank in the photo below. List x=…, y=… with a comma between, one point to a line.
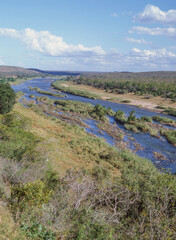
x=135, y=100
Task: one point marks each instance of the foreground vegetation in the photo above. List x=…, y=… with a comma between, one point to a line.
x=108, y=195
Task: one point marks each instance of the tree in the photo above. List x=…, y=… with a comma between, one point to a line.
x=7, y=98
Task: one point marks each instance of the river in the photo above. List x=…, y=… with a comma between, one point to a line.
x=148, y=143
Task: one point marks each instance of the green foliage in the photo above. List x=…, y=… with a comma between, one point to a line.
x=131, y=117
x=131, y=127
x=120, y=117
x=170, y=135
x=7, y=98
x=29, y=195
x=45, y=100
x=99, y=112
x=170, y=111
x=164, y=120
x=16, y=141
x=19, y=95
x=125, y=101
x=100, y=172
x=59, y=85
x=74, y=106
x=52, y=180
x=35, y=230
x=153, y=84
x=84, y=228
x=146, y=118
x=160, y=107
x=46, y=92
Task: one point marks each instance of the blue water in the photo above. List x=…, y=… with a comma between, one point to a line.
x=150, y=144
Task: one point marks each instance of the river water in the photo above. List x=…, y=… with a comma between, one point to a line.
x=148, y=143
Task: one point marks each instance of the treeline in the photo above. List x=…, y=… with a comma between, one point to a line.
x=122, y=86
x=7, y=79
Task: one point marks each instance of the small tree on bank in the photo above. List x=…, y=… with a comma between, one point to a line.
x=7, y=98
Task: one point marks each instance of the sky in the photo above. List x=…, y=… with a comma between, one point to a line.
x=89, y=35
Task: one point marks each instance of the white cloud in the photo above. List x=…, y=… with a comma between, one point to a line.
x=138, y=41
x=152, y=13
x=170, y=32
x=48, y=44
x=158, y=53
x=78, y=57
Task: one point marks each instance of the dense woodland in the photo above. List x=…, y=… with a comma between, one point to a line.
x=154, y=84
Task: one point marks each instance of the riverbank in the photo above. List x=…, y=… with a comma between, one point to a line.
x=129, y=98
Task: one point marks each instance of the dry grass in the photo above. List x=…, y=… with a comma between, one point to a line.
x=8, y=229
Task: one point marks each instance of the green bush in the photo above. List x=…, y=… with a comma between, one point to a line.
x=170, y=135
x=100, y=172
x=120, y=117
x=85, y=228
x=99, y=112
x=7, y=98
x=170, y=111
x=16, y=141
x=147, y=119
x=164, y=120
x=35, y=230
x=30, y=195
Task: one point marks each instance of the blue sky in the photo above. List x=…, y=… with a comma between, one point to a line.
x=89, y=35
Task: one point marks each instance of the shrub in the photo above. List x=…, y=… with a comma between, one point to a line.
x=99, y=112
x=7, y=98
x=131, y=127
x=125, y=101
x=35, y=230
x=100, y=172
x=30, y=195
x=85, y=228
x=132, y=117
x=170, y=135
x=170, y=111
x=120, y=117
x=163, y=119
x=147, y=119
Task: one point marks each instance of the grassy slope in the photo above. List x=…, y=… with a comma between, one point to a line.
x=59, y=138
x=70, y=146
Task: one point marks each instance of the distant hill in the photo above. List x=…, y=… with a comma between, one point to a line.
x=18, y=71
x=56, y=72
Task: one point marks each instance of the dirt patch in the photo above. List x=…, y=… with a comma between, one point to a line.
x=64, y=85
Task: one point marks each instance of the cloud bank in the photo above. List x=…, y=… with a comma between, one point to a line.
x=169, y=32
x=48, y=44
x=152, y=13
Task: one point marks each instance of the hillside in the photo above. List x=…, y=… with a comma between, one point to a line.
x=17, y=71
